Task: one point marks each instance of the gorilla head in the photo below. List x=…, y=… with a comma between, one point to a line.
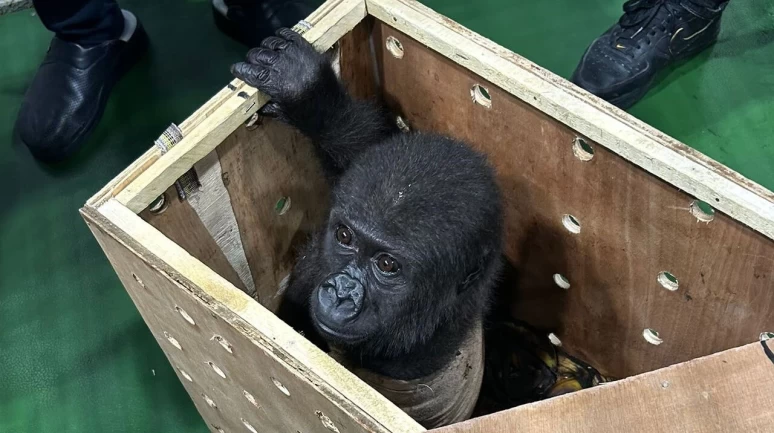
x=411, y=245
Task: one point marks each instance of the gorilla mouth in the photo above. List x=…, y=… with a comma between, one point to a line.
x=336, y=336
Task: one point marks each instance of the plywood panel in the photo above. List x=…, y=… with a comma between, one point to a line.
x=729, y=392
x=633, y=226
x=262, y=169
x=180, y=223
x=238, y=380
x=357, y=61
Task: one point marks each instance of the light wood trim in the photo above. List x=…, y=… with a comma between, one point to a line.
x=728, y=392
x=152, y=173
x=311, y=362
x=126, y=176
x=643, y=145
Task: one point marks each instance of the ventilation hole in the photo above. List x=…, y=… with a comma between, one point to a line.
x=481, y=96
x=767, y=336
x=561, y=281
x=209, y=401
x=665, y=384
x=582, y=149
x=326, y=422
x=217, y=369
x=571, y=223
x=651, y=336
x=702, y=211
x=249, y=427
x=222, y=341
x=185, y=375
x=159, y=205
x=139, y=281
x=282, y=206
x=554, y=339
x=185, y=315
x=668, y=281
x=280, y=386
x=394, y=47
x=250, y=398
x=402, y=125
x=173, y=340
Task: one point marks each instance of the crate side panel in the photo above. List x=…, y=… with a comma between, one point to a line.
x=633, y=226
x=729, y=392
x=278, y=195
x=357, y=61
x=179, y=222
x=235, y=383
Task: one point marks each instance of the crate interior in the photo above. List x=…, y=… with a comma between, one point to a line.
x=600, y=253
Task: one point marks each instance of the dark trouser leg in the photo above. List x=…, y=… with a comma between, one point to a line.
x=86, y=22
x=250, y=21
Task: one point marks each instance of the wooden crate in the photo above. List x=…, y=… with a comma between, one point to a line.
x=190, y=264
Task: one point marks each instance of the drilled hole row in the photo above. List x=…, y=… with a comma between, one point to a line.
x=228, y=347
x=664, y=278
x=580, y=147
x=478, y=93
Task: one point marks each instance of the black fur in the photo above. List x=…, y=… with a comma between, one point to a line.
x=429, y=201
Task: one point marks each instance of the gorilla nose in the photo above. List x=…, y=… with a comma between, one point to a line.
x=341, y=296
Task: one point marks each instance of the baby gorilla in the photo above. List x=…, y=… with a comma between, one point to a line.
x=398, y=279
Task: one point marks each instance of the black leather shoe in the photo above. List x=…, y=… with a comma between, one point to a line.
x=70, y=90
x=652, y=35
x=252, y=21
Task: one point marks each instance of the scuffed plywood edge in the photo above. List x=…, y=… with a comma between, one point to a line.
x=655, y=152
x=212, y=204
x=727, y=392
x=261, y=324
x=127, y=175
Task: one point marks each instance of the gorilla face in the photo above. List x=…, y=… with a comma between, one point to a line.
x=366, y=285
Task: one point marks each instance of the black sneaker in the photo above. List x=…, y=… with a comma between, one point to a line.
x=70, y=90
x=620, y=65
x=252, y=21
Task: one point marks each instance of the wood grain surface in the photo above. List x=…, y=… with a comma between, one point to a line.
x=180, y=223
x=729, y=392
x=263, y=166
x=633, y=227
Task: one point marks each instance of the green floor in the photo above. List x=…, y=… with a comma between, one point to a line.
x=74, y=354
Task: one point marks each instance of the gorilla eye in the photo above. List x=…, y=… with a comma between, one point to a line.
x=343, y=235
x=387, y=264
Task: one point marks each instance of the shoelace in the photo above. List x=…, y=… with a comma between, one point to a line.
x=638, y=15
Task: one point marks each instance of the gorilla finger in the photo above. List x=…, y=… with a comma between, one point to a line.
x=290, y=35
x=271, y=109
x=253, y=75
x=262, y=56
x=274, y=43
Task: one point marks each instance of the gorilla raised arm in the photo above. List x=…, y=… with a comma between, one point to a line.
x=305, y=93
x=399, y=277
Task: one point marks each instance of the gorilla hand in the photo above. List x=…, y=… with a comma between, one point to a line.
x=294, y=75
